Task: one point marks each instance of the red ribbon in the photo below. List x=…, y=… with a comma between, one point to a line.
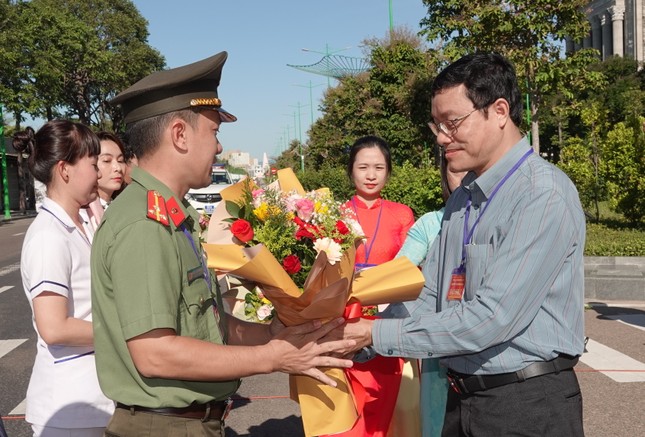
x=375, y=385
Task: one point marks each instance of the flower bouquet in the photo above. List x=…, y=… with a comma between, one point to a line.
x=299, y=248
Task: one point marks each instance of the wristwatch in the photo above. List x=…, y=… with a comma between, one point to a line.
x=364, y=355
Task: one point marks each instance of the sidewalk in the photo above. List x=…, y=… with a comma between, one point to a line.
x=17, y=215
x=615, y=278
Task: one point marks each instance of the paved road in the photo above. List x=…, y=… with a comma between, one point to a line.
x=611, y=373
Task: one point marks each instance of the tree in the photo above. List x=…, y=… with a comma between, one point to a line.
x=576, y=162
x=10, y=65
x=77, y=54
x=623, y=165
x=390, y=100
x=528, y=32
x=290, y=158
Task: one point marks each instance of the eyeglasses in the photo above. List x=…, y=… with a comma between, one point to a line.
x=449, y=127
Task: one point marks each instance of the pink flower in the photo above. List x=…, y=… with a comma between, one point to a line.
x=305, y=209
x=257, y=197
x=263, y=312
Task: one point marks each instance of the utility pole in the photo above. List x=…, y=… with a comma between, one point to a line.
x=311, y=99
x=302, y=157
x=5, y=179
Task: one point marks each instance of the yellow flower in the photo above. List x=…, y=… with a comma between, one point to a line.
x=262, y=211
x=320, y=208
x=273, y=211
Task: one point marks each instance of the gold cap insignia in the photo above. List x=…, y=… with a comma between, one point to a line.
x=214, y=101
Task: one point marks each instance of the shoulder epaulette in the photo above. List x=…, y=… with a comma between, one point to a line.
x=174, y=211
x=157, y=208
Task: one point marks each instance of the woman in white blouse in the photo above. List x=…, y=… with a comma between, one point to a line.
x=63, y=397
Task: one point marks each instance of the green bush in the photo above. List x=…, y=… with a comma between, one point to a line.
x=419, y=188
x=605, y=239
x=333, y=178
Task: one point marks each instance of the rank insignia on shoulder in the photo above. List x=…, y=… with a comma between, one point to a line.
x=174, y=211
x=157, y=207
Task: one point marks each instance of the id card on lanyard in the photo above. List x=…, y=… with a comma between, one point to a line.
x=458, y=278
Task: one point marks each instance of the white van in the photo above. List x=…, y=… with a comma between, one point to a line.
x=206, y=199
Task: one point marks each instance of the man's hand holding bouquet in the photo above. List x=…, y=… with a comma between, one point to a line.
x=299, y=248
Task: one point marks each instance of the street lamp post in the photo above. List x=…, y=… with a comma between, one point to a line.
x=311, y=99
x=327, y=53
x=5, y=179
x=302, y=157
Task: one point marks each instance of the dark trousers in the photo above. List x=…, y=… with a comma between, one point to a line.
x=548, y=405
x=143, y=424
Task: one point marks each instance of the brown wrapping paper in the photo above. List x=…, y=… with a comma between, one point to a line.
x=328, y=288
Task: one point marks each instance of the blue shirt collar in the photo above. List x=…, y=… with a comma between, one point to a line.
x=481, y=187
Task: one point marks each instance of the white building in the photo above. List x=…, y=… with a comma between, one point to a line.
x=239, y=159
x=617, y=28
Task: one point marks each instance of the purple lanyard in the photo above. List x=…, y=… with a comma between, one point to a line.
x=468, y=235
x=368, y=248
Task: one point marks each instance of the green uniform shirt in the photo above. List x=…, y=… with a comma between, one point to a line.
x=149, y=275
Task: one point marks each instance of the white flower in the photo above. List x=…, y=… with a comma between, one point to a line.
x=331, y=248
x=264, y=311
x=354, y=226
x=290, y=201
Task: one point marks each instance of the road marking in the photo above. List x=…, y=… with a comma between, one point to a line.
x=7, y=346
x=634, y=320
x=611, y=363
x=5, y=288
x=18, y=234
x=9, y=269
x=20, y=409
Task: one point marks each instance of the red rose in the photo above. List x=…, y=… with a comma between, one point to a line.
x=291, y=264
x=342, y=227
x=303, y=232
x=242, y=230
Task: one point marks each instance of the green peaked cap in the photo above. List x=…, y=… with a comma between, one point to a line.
x=190, y=86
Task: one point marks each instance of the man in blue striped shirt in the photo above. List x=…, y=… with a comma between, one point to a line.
x=503, y=299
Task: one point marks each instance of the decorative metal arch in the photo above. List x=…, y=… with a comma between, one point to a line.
x=336, y=66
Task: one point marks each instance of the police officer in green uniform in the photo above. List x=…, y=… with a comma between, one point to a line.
x=165, y=351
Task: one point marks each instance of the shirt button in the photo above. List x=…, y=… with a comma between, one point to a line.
x=390, y=352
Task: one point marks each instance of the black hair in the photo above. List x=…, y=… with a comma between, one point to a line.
x=365, y=143
x=144, y=136
x=57, y=140
x=487, y=77
x=109, y=136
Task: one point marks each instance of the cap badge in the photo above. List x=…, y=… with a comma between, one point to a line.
x=214, y=101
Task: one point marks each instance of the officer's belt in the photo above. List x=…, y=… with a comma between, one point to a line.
x=204, y=412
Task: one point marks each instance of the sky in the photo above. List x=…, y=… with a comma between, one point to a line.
x=261, y=38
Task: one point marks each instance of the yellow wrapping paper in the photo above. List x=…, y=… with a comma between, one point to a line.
x=328, y=288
